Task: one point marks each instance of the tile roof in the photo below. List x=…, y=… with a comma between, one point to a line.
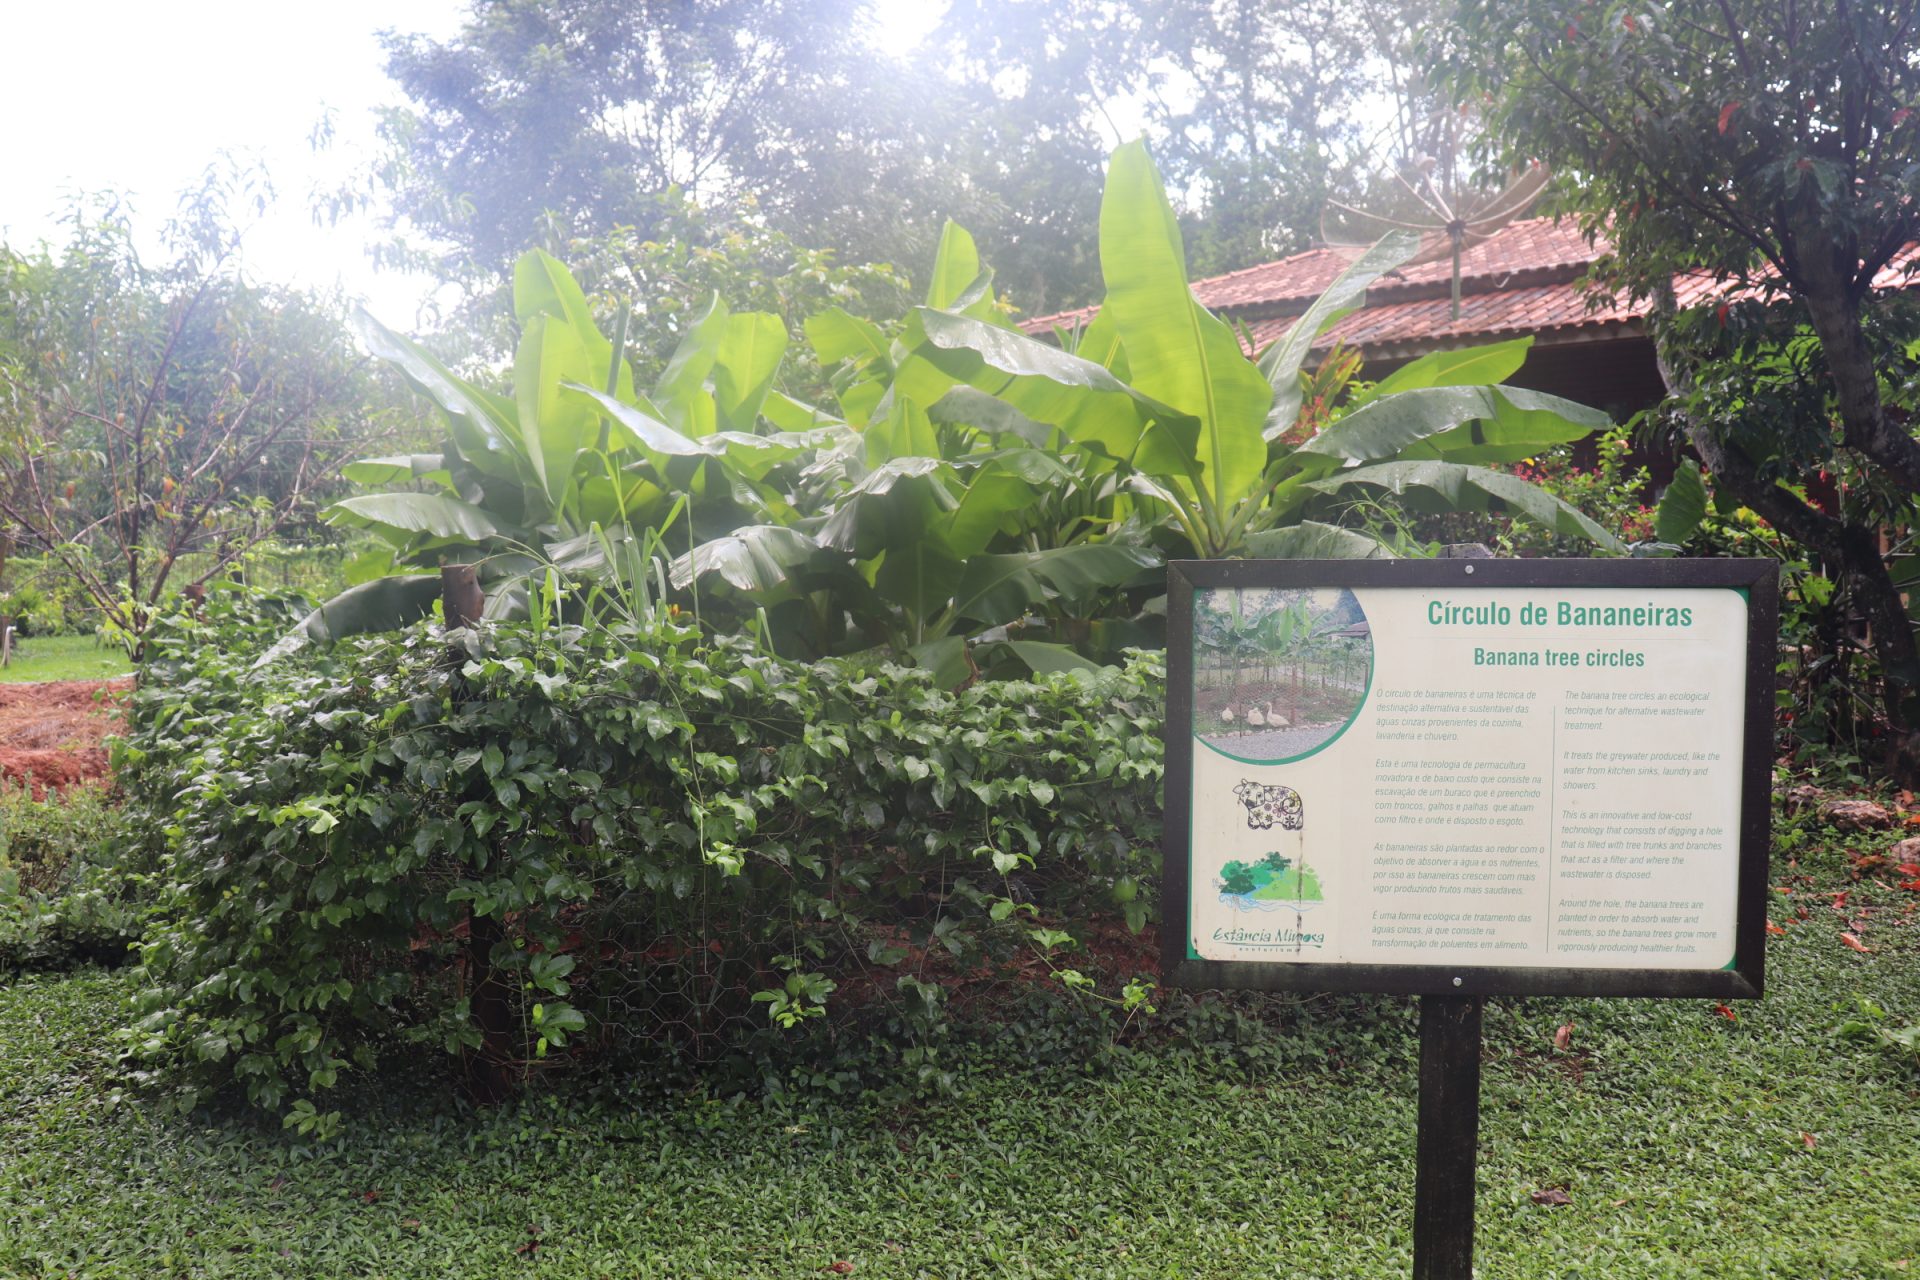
x=1522, y=279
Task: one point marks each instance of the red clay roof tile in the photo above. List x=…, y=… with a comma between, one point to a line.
x=1522, y=279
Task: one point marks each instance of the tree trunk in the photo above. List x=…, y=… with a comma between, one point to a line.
x=1827, y=288
x=1851, y=549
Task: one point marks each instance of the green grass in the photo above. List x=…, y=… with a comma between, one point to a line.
x=64, y=658
x=1676, y=1132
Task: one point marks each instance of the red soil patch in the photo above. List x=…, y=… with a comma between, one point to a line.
x=50, y=732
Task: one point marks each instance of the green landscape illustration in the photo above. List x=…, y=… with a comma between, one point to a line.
x=1273, y=882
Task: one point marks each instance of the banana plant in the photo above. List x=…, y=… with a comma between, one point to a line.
x=1162, y=389
x=523, y=479
x=935, y=518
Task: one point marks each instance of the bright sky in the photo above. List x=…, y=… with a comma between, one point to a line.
x=140, y=97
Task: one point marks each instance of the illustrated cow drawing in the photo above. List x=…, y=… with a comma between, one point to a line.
x=1267, y=806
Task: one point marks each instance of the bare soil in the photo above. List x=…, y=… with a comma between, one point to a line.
x=51, y=733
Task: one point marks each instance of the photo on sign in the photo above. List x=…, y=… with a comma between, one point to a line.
x=1278, y=674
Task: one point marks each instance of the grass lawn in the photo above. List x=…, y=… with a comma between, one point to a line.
x=64, y=658
x=1688, y=1143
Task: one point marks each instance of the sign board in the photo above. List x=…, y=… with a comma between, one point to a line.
x=1469, y=777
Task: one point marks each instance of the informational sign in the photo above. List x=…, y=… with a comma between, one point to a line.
x=1469, y=776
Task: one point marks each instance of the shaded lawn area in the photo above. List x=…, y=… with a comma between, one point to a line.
x=1690, y=1145
x=65, y=658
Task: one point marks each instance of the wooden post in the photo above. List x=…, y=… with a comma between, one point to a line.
x=461, y=600
x=461, y=604
x=1449, y=1133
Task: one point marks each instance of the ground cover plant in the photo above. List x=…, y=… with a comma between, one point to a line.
x=1620, y=1139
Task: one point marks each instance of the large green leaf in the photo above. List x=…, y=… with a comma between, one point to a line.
x=681, y=391
x=750, y=352
x=1512, y=418
x=1469, y=366
x=406, y=514
x=1046, y=384
x=1467, y=488
x=896, y=503
x=946, y=658
x=989, y=505
x=836, y=335
x=642, y=429
x=482, y=425
x=1177, y=352
x=1311, y=540
x=556, y=428
x=1683, y=506
x=920, y=575
x=972, y=407
x=402, y=468
x=758, y=558
x=905, y=432
x=956, y=265
x=385, y=604
x=1280, y=363
x=789, y=414
x=1043, y=658
x=1100, y=343
x=999, y=588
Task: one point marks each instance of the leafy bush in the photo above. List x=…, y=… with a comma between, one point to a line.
x=561, y=840
x=64, y=893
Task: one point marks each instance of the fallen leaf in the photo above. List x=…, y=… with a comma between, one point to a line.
x=1726, y=1011
x=1618, y=1203
x=840, y=1268
x=1856, y=944
x=1807, y=1140
x=368, y=1197
x=1839, y=900
x=1900, y=118
x=1913, y=884
x=1552, y=1196
x=1726, y=115
x=1774, y=928
x=410, y=1224
x=279, y=1181
x=1908, y=868
x=1563, y=1037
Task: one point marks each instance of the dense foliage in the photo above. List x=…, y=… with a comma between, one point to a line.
x=69, y=889
x=561, y=838
x=1754, y=167
x=977, y=499
x=161, y=416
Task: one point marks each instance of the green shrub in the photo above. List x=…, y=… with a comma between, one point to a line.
x=566, y=840
x=65, y=892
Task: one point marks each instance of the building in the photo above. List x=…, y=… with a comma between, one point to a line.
x=1523, y=280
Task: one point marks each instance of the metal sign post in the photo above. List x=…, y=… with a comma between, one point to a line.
x=1468, y=778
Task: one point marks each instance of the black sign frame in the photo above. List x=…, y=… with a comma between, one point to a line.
x=1758, y=578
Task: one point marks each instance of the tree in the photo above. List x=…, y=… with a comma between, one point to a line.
x=1263, y=127
x=1773, y=150
x=149, y=413
x=547, y=119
